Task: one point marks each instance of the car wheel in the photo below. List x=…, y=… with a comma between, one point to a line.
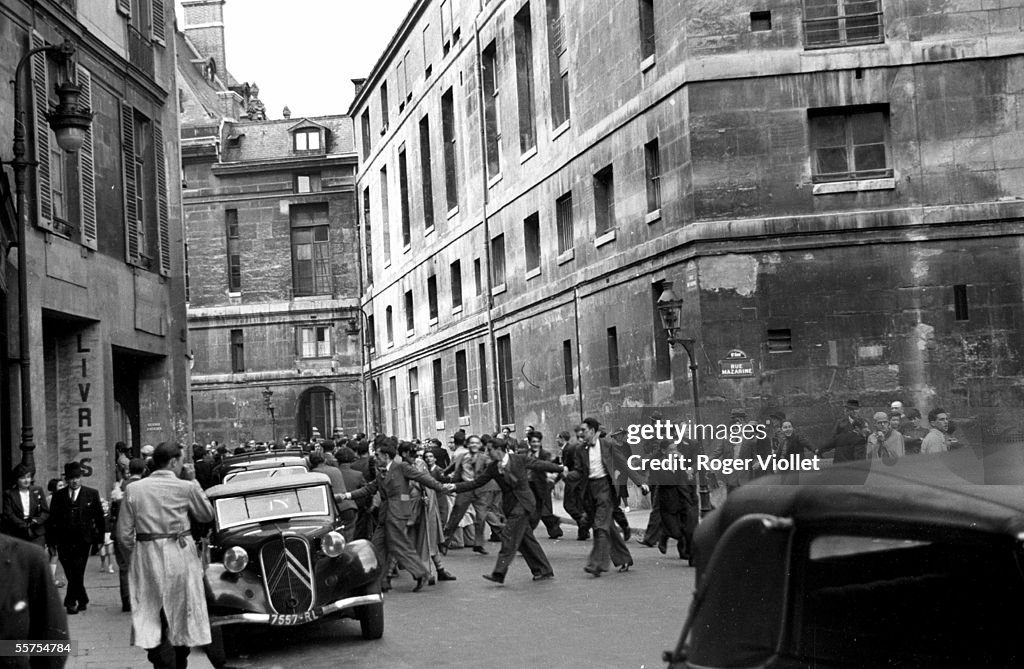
x=216, y=652
x=371, y=616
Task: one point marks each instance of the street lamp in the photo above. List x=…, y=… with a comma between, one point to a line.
x=366, y=353
x=267, y=402
x=670, y=308
x=70, y=123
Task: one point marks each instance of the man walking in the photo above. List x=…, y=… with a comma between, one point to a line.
x=542, y=486
x=76, y=523
x=572, y=495
x=165, y=574
x=464, y=469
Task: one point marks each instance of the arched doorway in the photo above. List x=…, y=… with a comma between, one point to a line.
x=316, y=409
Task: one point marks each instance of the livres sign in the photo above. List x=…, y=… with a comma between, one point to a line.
x=736, y=365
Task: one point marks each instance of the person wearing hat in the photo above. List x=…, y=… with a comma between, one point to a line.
x=147, y=457
x=852, y=408
x=76, y=523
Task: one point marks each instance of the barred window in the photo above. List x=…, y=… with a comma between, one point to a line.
x=831, y=23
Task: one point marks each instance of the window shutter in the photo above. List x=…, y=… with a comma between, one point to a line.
x=159, y=21
x=87, y=167
x=163, y=225
x=40, y=106
x=124, y=7
x=131, y=214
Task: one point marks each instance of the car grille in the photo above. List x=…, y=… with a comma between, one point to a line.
x=288, y=575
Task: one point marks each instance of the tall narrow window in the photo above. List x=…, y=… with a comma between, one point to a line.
x=506, y=396
x=456, y=277
x=531, y=241
x=524, y=79
x=446, y=26
x=311, y=249
x=426, y=173
x=462, y=382
x=384, y=107
x=432, y=297
x=662, y=354
x=558, y=64
x=478, y=282
x=604, y=200
x=237, y=351
x=367, y=141
x=570, y=383
x=371, y=333
x=389, y=325
x=652, y=173
x=234, y=256
x=385, y=219
x=403, y=193
x=428, y=50
x=613, y=358
x=646, y=28
x=498, y=261
x=492, y=117
x=563, y=221
x=367, y=235
x=438, y=392
x=414, y=402
x=410, y=313
x=960, y=302
x=393, y=396
x=451, y=182
x=484, y=387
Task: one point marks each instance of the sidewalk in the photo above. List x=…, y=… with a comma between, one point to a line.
x=103, y=631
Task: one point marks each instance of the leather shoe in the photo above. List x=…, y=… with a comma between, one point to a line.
x=72, y=610
x=82, y=607
x=663, y=547
x=445, y=575
x=644, y=542
x=432, y=581
x=627, y=532
x=443, y=547
x=583, y=536
x=480, y=549
x=386, y=586
x=593, y=570
x=495, y=578
x=420, y=583
x=126, y=606
x=543, y=577
x=624, y=568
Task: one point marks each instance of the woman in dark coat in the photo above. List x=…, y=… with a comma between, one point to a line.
x=793, y=442
x=21, y=521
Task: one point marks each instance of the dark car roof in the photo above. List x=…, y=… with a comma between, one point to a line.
x=266, y=485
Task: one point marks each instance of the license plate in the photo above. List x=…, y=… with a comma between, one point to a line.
x=285, y=619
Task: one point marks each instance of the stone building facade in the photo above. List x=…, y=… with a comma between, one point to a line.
x=273, y=261
x=836, y=191
x=106, y=292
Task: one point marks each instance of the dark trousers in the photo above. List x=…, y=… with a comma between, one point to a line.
x=166, y=656
x=122, y=571
x=545, y=509
x=517, y=535
x=74, y=558
x=391, y=541
x=601, y=501
x=480, y=501
x=654, y=530
x=573, y=502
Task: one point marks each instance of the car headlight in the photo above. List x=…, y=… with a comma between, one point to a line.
x=333, y=543
x=235, y=559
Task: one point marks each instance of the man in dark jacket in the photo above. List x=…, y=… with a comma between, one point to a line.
x=572, y=496
x=76, y=523
x=354, y=481
x=29, y=603
x=542, y=486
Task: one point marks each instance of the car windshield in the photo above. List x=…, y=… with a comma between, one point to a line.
x=266, y=473
x=272, y=505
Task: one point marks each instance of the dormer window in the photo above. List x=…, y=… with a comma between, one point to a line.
x=307, y=140
x=309, y=137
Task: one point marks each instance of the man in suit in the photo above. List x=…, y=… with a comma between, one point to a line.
x=353, y=481
x=512, y=474
x=542, y=486
x=390, y=538
x=76, y=523
x=465, y=468
x=24, y=509
x=600, y=461
x=845, y=424
x=572, y=499
x=29, y=602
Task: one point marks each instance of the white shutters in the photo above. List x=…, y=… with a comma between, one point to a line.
x=159, y=21
x=163, y=225
x=87, y=167
x=40, y=106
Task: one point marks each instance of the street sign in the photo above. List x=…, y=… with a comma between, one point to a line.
x=737, y=365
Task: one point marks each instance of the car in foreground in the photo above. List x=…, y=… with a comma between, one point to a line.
x=917, y=564
x=263, y=464
x=278, y=557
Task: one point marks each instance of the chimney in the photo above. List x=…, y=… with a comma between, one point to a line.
x=204, y=26
x=358, y=83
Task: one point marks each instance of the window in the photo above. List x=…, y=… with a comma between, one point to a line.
x=367, y=141
x=311, y=250
x=851, y=143
x=498, y=261
x=506, y=396
x=604, y=200
x=484, y=388
x=613, y=358
x=307, y=183
x=432, y=296
x=456, y=273
x=531, y=241
x=307, y=140
x=234, y=257
x=652, y=169
x=462, y=382
x=384, y=107
x=145, y=189
x=143, y=177
x=426, y=174
x=367, y=235
x=393, y=396
x=371, y=333
x=451, y=183
x=831, y=23
x=570, y=383
x=760, y=21
x=647, y=29
x=385, y=219
x=780, y=340
x=237, y=352
x=492, y=118
x=558, y=64
x=960, y=302
x=402, y=73
x=662, y=351
x=427, y=67
x=477, y=277
x=524, y=79
x=563, y=216
x=414, y=402
x=315, y=342
x=389, y=325
x=403, y=193
x=438, y=392
x=446, y=26
x=410, y=313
